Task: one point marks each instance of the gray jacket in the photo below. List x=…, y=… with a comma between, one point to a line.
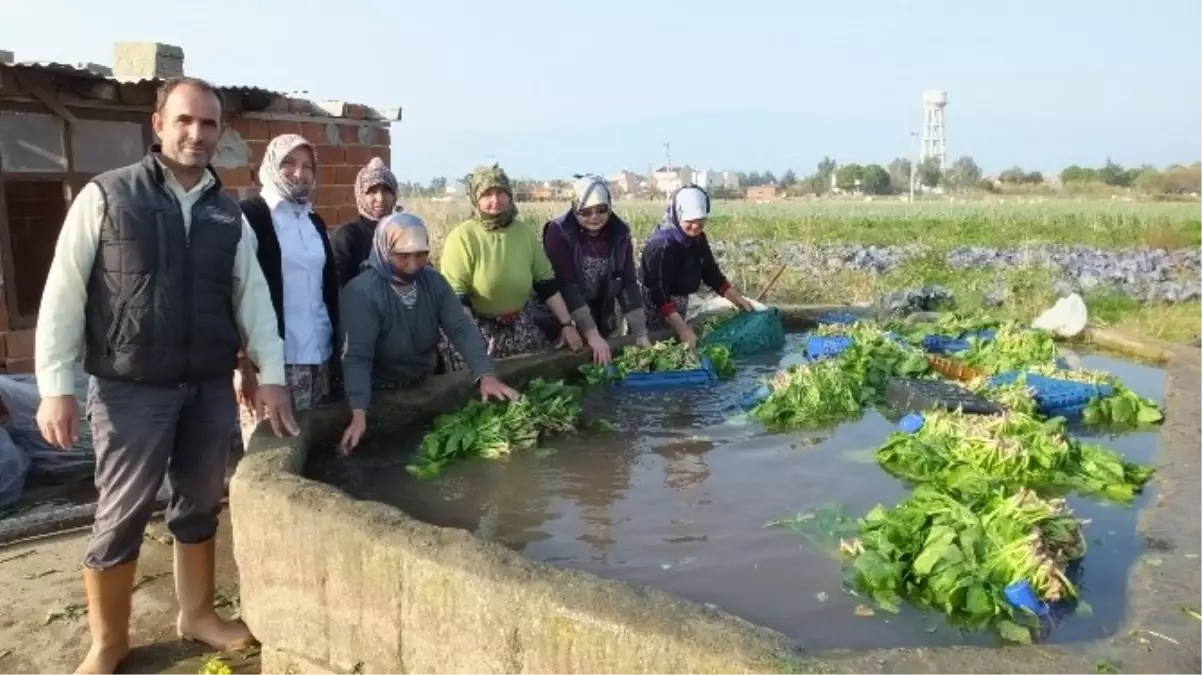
x=388, y=344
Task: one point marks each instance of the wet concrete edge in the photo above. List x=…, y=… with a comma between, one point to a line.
x=1170, y=526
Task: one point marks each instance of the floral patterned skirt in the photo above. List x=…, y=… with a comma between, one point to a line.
x=655, y=320
x=310, y=387
x=519, y=335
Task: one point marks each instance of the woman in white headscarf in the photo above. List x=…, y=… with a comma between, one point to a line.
x=592, y=254
x=294, y=252
x=677, y=259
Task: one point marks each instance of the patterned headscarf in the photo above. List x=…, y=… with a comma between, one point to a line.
x=270, y=174
x=483, y=178
x=397, y=233
x=589, y=191
x=375, y=173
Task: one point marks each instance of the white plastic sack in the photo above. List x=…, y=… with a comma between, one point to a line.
x=717, y=303
x=19, y=393
x=1066, y=318
x=14, y=464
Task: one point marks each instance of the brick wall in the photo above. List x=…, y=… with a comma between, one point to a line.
x=342, y=150
x=342, y=146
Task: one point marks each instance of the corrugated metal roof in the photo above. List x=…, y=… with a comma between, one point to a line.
x=96, y=71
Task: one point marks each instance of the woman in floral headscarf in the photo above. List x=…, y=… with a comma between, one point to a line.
x=591, y=251
x=393, y=314
x=375, y=197
x=493, y=263
x=294, y=254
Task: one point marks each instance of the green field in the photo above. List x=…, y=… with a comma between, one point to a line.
x=938, y=225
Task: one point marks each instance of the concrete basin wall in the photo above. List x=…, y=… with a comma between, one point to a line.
x=334, y=585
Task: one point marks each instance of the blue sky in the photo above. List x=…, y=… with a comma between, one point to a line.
x=553, y=88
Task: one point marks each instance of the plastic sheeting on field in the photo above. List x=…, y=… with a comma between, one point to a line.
x=22, y=448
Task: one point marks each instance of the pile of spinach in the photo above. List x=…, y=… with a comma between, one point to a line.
x=821, y=393
x=1013, y=449
x=1121, y=410
x=661, y=357
x=495, y=429
x=955, y=549
x=1014, y=347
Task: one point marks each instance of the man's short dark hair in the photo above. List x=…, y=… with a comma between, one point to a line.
x=172, y=83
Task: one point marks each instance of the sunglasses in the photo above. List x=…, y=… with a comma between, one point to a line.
x=593, y=211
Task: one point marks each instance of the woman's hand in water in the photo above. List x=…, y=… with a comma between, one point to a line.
x=571, y=336
x=492, y=387
x=354, y=432
x=688, y=337
x=601, y=352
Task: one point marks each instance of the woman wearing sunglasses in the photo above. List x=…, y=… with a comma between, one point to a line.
x=591, y=252
x=677, y=259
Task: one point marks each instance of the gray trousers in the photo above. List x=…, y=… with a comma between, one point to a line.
x=142, y=432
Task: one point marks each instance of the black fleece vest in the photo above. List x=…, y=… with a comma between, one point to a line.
x=160, y=299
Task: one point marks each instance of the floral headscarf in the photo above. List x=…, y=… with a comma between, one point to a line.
x=482, y=179
x=270, y=173
x=375, y=173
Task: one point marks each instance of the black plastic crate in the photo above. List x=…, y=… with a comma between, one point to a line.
x=908, y=395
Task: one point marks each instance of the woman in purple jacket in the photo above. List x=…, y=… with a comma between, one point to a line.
x=593, y=257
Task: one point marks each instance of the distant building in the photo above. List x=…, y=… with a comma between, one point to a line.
x=668, y=179
x=625, y=182
x=456, y=189
x=716, y=180
x=761, y=193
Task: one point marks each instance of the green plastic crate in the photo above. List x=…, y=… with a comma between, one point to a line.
x=748, y=333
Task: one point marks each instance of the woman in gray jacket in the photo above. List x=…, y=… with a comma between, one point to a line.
x=391, y=317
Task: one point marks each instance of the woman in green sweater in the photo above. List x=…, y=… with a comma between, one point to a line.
x=497, y=267
x=391, y=318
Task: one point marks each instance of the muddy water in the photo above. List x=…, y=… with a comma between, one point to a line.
x=677, y=496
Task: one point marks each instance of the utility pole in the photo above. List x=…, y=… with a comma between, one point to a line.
x=668, y=154
x=914, y=165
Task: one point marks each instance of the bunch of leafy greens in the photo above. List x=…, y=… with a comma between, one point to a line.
x=495, y=429
x=953, y=325
x=662, y=357
x=825, y=392
x=957, y=551
x=1120, y=410
x=1013, y=449
x=1014, y=347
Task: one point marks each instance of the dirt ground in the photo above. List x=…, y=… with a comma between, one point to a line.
x=44, y=625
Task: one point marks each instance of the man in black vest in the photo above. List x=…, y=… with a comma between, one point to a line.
x=154, y=278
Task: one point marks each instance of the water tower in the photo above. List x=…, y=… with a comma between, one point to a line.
x=934, y=131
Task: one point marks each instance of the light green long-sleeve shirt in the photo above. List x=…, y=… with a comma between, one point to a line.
x=495, y=269
x=59, y=336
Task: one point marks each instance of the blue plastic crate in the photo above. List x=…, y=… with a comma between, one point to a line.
x=1056, y=397
x=837, y=318
x=702, y=376
x=947, y=344
x=822, y=346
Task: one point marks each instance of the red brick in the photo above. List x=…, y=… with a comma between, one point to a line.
x=236, y=178
x=329, y=155
x=19, y=344
x=383, y=137
x=356, y=111
x=3, y=309
x=348, y=134
x=279, y=128
x=347, y=214
x=357, y=156
x=15, y=366
x=3, y=348
x=346, y=175
x=383, y=152
x=328, y=214
x=251, y=129
x=327, y=175
x=313, y=132
x=257, y=150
